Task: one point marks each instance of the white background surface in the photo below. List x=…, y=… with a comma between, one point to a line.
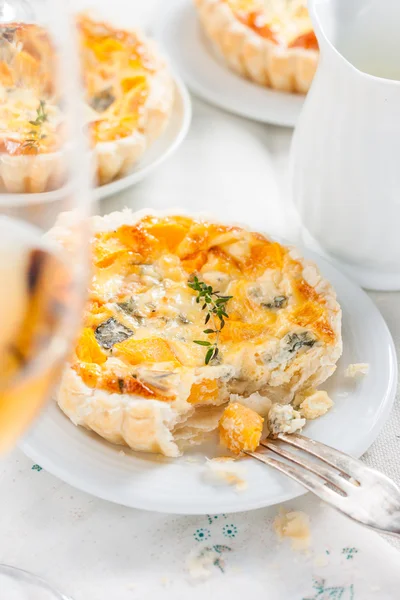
x=97, y=551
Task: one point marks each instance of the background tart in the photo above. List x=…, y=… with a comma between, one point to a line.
x=268, y=41
x=129, y=90
x=139, y=378
x=129, y=95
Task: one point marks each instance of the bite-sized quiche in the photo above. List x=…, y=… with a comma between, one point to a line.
x=271, y=42
x=185, y=314
x=130, y=92
x=129, y=95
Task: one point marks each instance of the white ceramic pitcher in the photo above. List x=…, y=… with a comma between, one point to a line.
x=345, y=160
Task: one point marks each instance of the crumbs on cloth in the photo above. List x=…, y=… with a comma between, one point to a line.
x=199, y=565
x=294, y=525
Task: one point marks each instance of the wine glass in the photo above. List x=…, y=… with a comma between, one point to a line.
x=44, y=170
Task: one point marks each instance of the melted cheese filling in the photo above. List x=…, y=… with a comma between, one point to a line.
x=142, y=319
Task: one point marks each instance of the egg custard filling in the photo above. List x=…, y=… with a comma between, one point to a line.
x=185, y=313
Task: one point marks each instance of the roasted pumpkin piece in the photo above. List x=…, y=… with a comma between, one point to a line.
x=303, y=291
x=88, y=350
x=202, y=236
x=147, y=350
x=204, y=392
x=169, y=233
x=313, y=315
x=194, y=262
x=240, y=428
x=218, y=260
x=106, y=47
x=6, y=76
x=264, y=255
x=106, y=249
x=138, y=240
x=306, y=314
x=90, y=372
x=237, y=331
x=306, y=40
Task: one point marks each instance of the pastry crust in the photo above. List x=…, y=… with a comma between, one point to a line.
x=138, y=379
x=136, y=79
x=261, y=58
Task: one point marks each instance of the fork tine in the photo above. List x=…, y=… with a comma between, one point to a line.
x=308, y=480
x=328, y=475
x=342, y=462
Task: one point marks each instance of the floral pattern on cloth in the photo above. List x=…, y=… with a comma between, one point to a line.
x=173, y=556
x=324, y=592
x=218, y=554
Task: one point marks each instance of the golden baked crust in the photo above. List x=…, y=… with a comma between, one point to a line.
x=268, y=41
x=138, y=377
x=129, y=93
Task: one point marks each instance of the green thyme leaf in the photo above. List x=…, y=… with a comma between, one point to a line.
x=215, y=305
x=209, y=355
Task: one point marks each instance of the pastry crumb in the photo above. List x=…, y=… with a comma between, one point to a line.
x=294, y=525
x=357, y=369
x=321, y=560
x=121, y=453
x=316, y=405
x=199, y=565
x=225, y=472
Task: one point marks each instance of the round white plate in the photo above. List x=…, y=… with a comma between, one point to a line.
x=178, y=31
x=163, y=147
x=145, y=481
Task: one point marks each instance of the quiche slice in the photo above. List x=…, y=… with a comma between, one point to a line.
x=129, y=96
x=271, y=42
x=141, y=373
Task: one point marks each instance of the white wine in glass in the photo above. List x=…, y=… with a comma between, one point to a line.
x=44, y=171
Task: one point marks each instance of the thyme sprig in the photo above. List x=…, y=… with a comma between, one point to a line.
x=41, y=114
x=35, y=135
x=215, y=305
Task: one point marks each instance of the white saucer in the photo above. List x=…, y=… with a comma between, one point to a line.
x=161, y=149
x=155, y=483
x=178, y=31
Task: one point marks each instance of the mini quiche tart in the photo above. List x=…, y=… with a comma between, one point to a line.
x=129, y=95
x=271, y=42
x=139, y=375
x=129, y=90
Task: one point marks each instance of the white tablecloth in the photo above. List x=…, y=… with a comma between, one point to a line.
x=94, y=550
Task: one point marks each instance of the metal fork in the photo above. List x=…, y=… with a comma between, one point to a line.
x=361, y=493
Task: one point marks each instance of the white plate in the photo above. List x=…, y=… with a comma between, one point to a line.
x=178, y=31
x=163, y=147
x=145, y=481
